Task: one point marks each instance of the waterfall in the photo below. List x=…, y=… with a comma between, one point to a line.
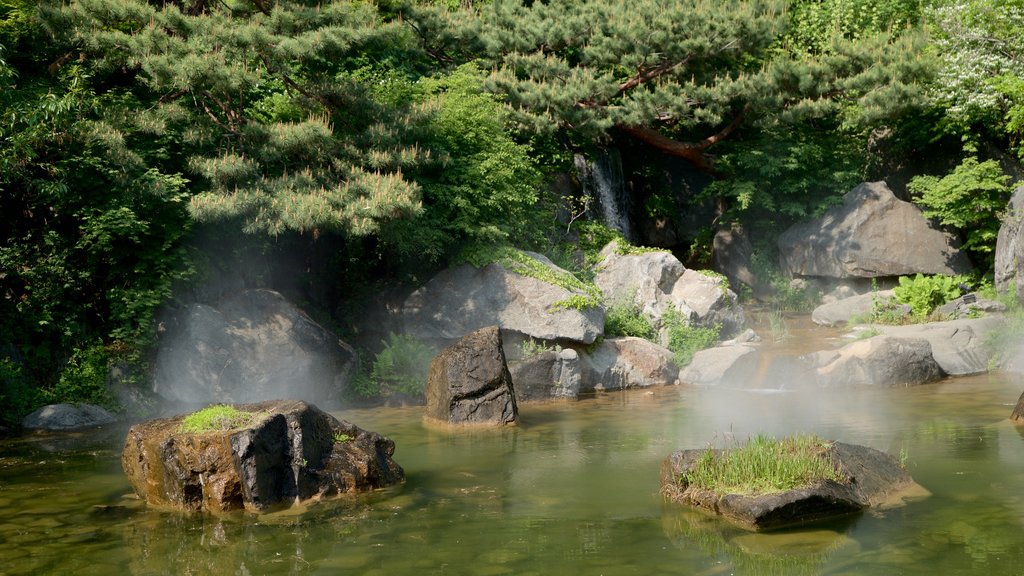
x=602, y=180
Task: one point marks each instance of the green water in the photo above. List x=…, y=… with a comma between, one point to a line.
x=573, y=490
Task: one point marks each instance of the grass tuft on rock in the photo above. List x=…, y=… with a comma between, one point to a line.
x=215, y=418
x=764, y=465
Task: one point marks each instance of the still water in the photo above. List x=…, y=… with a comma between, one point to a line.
x=572, y=490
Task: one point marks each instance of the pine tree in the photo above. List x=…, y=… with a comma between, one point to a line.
x=274, y=128
x=679, y=75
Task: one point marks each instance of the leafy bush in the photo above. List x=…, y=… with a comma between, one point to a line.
x=626, y=319
x=684, y=340
x=402, y=366
x=971, y=199
x=924, y=293
x=83, y=380
x=17, y=395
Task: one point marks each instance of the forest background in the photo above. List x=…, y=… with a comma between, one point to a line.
x=347, y=145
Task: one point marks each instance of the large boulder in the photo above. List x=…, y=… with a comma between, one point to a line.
x=732, y=254
x=657, y=281
x=254, y=345
x=1009, y=259
x=1017, y=416
x=872, y=234
x=469, y=382
x=627, y=362
x=959, y=347
x=727, y=365
x=460, y=300
x=67, y=417
x=868, y=478
x=290, y=452
x=546, y=375
x=877, y=361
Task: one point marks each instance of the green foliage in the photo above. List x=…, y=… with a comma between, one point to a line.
x=925, y=293
x=626, y=319
x=83, y=380
x=401, y=366
x=971, y=198
x=218, y=417
x=685, y=340
x=764, y=465
x=17, y=395
x=531, y=347
x=341, y=437
x=815, y=25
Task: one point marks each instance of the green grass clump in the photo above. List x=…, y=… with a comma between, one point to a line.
x=216, y=417
x=764, y=465
x=341, y=437
x=684, y=340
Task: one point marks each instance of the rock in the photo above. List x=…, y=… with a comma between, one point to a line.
x=628, y=362
x=712, y=303
x=1018, y=411
x=877, y=361
x=657, y=282
x=463, y=299
x=959, y=347
x=869, y=478
x=547, y=375
x=968, y=306
x=748, y=336
x=721, y=365
x=292, y=452
x=469, y=382
x=872, y=234
x=841, y=311
x=255, y=345
x=65, y=417
x=731, y=254
x=1009, y=263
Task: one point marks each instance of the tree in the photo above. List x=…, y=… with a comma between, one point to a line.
x=681, y=76
x=279, y=134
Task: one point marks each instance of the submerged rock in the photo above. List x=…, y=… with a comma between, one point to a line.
x=869, y=478
x=65, y=417
x=469, y=382
x=291, y=452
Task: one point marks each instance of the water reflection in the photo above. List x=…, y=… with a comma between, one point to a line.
x=573, y=490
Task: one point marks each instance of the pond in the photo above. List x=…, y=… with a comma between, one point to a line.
x=573, y=490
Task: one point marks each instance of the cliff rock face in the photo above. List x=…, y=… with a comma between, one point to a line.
x=292, y=451
x=872, y=234
x=469, y=382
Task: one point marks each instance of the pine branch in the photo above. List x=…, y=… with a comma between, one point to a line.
x=694, y=152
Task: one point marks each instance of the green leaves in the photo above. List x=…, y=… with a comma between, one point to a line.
x=971, y=198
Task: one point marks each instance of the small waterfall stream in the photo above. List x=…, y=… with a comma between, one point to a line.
x=603, y=181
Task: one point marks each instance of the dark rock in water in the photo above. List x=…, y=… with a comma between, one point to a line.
x=1018, y=411
x=253, y=346
x=65, y=417
x=870, y=478
x=469, y=382
x=872, y=234
x=292, y=452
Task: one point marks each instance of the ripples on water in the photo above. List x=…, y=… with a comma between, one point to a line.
x=573, y=490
